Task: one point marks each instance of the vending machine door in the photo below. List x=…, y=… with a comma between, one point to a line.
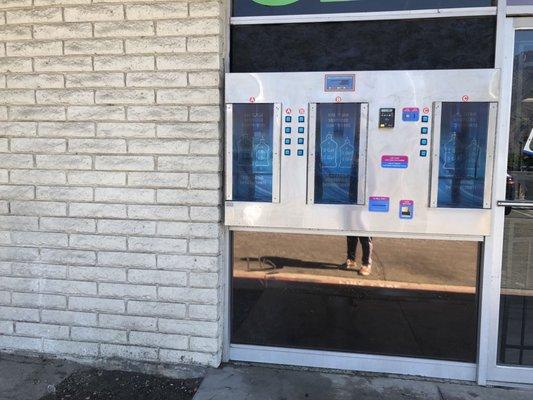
x=463, y=148
x=252, y=157
x=337, y=153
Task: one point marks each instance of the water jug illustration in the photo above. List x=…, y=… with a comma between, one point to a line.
x=261, y=154
x=346, y=154
x=473, y=152
x=449, y=154
x=244, y=150
x=328, y=152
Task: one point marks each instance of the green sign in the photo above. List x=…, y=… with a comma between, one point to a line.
x=275, y=3
x=242, y=8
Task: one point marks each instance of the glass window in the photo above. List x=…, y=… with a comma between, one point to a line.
x=398, y=297
x=463, y=152
x=243, y=8
x=337, y=153
x=435, y=43
x=252, y=152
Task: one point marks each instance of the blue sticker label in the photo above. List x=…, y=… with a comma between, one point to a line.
x=406, y=209
x=410, y=114
x=378, y=204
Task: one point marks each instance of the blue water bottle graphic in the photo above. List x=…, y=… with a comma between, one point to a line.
x=346, y=154
x=244, y=150
x=328, y=152
x=261, y=156
x=473, y=161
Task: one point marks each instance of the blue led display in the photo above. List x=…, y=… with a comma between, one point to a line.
x=337, y=153
x=252, y=152
x=463, y=150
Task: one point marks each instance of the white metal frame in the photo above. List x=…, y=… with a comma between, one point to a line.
x=489, y=370
x=355, y=362
x=366, y=16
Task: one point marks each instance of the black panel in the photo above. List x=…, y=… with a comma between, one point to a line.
x=441, y=43
x=290, y=7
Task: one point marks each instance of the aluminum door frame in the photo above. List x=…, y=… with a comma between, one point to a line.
x=489, y=371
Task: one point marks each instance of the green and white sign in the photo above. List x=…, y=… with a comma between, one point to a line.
x=248, y=8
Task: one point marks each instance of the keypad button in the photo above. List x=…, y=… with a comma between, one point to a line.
x=288, y=130
x=287, y=152
x=287, y=141
x=301, y=129
x=301, y=119
x=301, y=140
x=288, y=119
x=425, y=118
x=300, y=152
x=424, y=130
x=423, y=142
x=423, y=153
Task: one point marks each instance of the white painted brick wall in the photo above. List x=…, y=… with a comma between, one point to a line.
x=110, y=160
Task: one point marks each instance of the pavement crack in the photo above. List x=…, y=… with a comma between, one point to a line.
x=441, y=395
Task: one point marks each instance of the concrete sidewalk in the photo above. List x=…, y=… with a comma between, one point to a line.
x=244, y=382
x=26, y=378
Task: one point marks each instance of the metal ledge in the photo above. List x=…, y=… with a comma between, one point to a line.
x=366, y=16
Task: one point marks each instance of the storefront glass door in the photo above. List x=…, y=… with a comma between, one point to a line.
x=515, y=345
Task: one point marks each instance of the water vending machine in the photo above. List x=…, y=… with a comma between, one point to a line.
x=380, y=152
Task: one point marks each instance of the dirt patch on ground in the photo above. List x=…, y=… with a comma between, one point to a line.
x=98, y=384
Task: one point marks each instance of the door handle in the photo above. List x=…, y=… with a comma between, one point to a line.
x=515, y=204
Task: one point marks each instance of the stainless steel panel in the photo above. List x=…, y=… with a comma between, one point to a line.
x=363, y=140
x=435, y=153
x=378, y=89
x=311, y=155
x=229, y=152
x=489, y=164
x=276, y=140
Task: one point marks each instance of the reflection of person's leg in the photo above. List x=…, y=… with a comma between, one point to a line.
x=366, y=244
x=351, y=246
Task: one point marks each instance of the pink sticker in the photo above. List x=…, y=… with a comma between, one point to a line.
x=394, y=161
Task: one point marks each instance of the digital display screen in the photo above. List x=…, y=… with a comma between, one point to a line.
x=252, y=152
x=340, y=83
x=337, y=153
x=463, y=152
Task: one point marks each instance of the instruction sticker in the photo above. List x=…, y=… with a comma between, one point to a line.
x=378, y=204
x=406, y=209
x=394, y=161
x=410, y=114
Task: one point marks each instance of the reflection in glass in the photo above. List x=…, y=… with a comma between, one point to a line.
x=252, y=152
x=516, y=307
x=337, y=153
x=463, y=151
x=294, y=290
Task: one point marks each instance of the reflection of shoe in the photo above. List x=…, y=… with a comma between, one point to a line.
x=351, y=264
x=365, y=270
